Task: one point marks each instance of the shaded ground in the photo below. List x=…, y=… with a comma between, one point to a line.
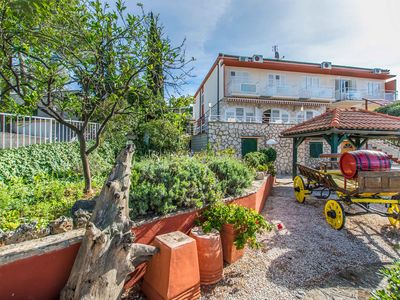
x=308, y=259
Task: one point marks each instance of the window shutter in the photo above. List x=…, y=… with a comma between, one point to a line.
x=316, y=149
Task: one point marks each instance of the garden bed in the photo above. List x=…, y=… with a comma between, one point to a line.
x=20, y=270
x=34, y=204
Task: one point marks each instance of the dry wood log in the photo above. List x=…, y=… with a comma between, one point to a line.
x=107, y=253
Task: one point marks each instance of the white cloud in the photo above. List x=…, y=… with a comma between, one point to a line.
x=195, y=21
x=347, y=32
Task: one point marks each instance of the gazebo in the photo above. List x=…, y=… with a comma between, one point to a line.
x=337, y=125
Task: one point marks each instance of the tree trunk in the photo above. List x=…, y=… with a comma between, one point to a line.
x=107, y=253
x=85, y=164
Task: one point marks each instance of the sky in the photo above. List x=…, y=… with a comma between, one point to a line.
x=364, y=33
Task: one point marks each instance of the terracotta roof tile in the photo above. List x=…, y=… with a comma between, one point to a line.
x=350, y=119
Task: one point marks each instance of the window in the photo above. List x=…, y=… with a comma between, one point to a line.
x=239, y=114
x=275, y=115
x=279, y=116
x=248, y=88
x=276, y=80
x=316, y=149
x=250, y=117
x=310, y=82
x=374, y=88
x=266, y=116
x=230, y=116
x=346, y=89
x=285, y=117
x=309, y=115
x=306, y=115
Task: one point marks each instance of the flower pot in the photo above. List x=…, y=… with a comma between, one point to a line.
x=231, y=253
x=173, y=273
x=209, y=251
x=260, y=175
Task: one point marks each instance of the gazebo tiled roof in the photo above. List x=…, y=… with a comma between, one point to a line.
x=347, y=120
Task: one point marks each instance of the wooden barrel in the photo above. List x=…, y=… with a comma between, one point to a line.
x=363, y=160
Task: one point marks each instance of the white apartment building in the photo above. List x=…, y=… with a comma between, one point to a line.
x=245, y=101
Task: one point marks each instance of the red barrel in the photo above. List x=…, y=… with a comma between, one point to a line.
x=363, y=160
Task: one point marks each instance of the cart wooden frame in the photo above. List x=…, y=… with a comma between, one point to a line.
x=380, y=187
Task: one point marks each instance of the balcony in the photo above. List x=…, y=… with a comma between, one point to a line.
x=358, y=94
x=259, y=89
x=253, y=119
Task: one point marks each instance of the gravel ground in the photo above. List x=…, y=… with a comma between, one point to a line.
x=308, y=259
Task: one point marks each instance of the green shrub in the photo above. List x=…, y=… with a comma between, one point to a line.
x=270, y=155
x=170, y=183
x=390, y=109
x=254, y=159
x=56, y=159
x=246, y=222
x=271, y=168
x=161, y=136
x=41, y=182
x=233, y=176
x=392, y=291
x=43, y=199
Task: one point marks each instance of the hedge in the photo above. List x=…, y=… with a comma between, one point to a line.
x=56, y=159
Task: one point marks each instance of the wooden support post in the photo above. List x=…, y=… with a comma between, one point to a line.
x=296, y=143
x=352, y=142
x=334, y=143
x=342, y=138
x=364, y=142
x=358, y=143
x=294, y=166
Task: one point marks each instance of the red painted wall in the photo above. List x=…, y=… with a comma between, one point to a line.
x=390, y=86
x=39, y=277
x=42, y=277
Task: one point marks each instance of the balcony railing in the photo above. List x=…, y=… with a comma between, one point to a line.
x=18, y=131
x=253, y=119
x=253, y=88
x=358, y=94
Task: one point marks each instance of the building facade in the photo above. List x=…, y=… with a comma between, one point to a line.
x=245, y=101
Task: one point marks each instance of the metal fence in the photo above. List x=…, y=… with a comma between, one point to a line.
x=19, y=131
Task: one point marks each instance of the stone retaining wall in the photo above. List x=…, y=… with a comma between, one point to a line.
x=224, y=135
x=39, y=269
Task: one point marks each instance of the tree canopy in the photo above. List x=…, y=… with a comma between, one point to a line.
x=83, y=60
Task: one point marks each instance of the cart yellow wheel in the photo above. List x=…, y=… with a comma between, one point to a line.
x=299, y=189
x=334, y=214
x=394, y=209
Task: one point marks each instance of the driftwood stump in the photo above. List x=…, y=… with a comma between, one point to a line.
x=107, y=253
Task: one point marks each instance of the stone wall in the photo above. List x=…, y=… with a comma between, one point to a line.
x=222, y=135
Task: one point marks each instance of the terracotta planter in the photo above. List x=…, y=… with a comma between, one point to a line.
x=209, y=251
x=260, y=175
x=173, y=273
x=231, y=254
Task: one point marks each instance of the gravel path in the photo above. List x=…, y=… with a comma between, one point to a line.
x=308, y=259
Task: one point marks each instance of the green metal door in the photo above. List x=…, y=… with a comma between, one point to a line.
x=248, y=145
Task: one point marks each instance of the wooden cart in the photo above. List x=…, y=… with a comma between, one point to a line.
x=380, y=187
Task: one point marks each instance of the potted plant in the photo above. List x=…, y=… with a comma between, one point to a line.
x=238, y=226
